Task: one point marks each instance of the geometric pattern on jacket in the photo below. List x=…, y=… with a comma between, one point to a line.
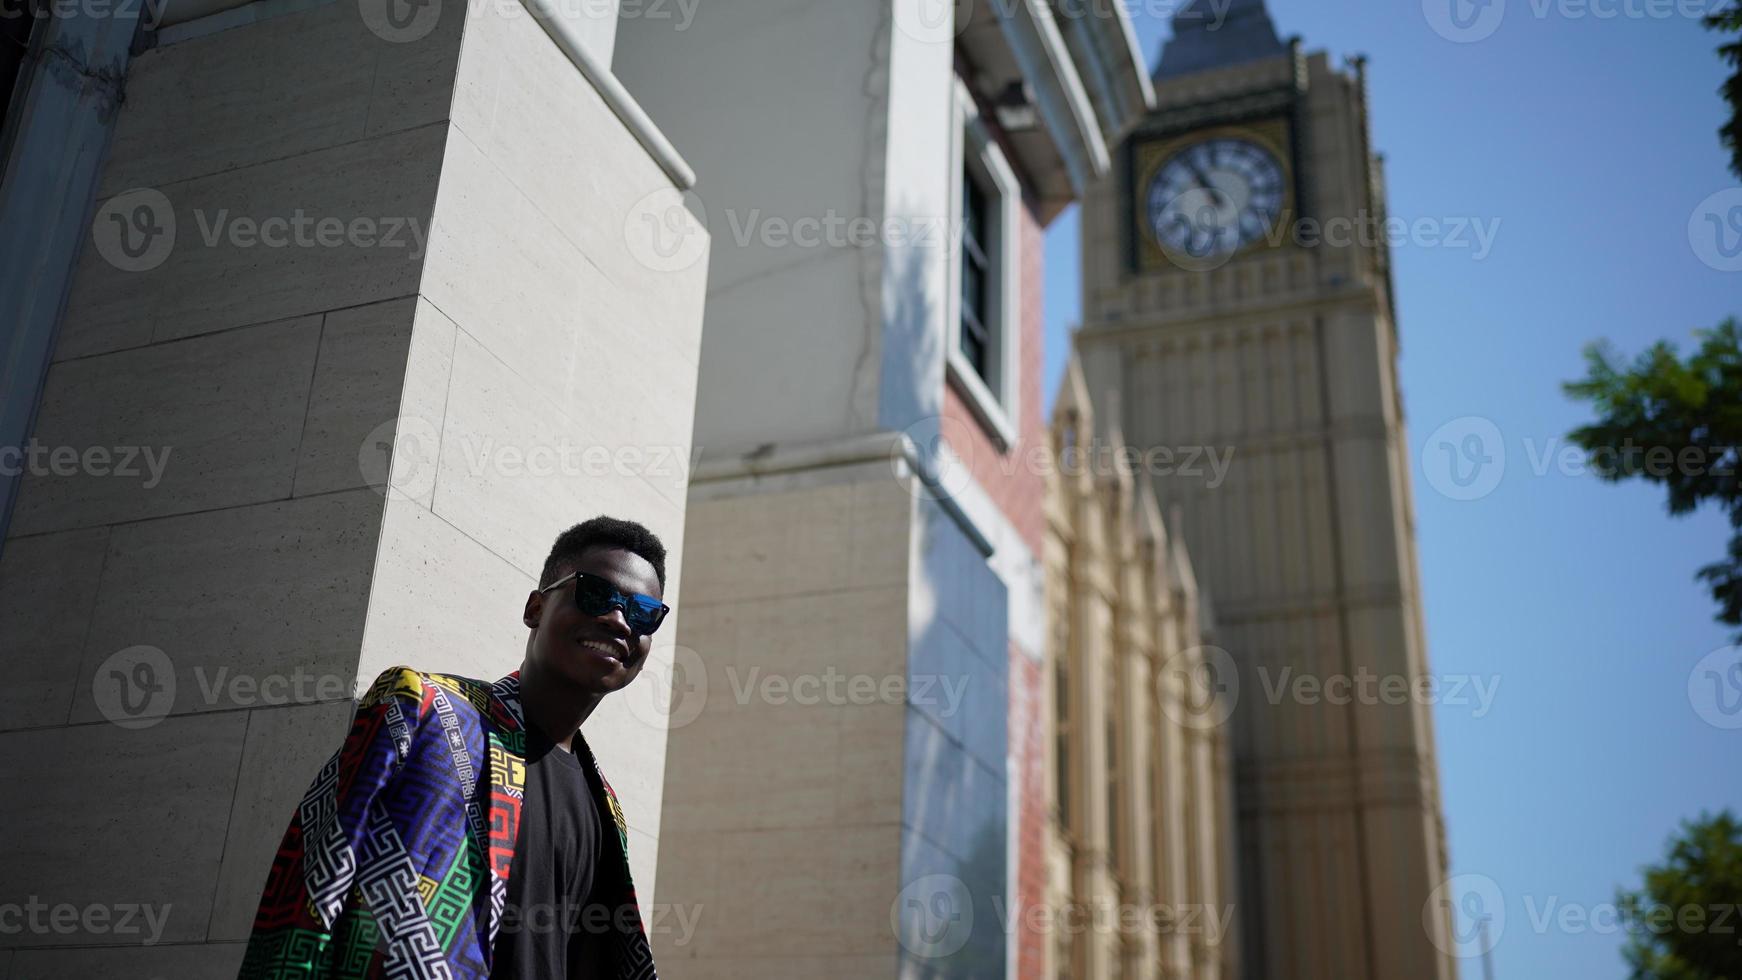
x=396, y=862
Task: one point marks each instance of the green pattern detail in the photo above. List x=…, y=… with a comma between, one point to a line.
x=514, y=742
x=451, y=902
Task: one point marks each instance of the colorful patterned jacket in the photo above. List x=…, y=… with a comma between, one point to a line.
x=396, y=862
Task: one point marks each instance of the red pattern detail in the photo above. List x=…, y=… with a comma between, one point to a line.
x=504, y=830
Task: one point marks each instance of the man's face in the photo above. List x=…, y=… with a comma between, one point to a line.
x=598, y=654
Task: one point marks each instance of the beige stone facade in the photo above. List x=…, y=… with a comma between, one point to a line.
x=1283, y=353
x=1140, y=844
x=353, y=432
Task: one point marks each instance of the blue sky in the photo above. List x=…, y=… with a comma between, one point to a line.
x=1591, y=140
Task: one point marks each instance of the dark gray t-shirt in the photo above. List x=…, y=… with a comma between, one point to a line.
x=547, y=931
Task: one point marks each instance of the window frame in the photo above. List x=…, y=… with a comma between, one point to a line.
x=975, y=155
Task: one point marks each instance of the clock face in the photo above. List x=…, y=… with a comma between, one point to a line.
x=1214, y=198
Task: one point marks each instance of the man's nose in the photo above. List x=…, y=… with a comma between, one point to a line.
x=616, y=619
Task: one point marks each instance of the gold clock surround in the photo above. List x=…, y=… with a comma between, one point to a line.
x=1274, y=135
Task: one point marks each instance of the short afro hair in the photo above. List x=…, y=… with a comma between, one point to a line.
x=603, y=532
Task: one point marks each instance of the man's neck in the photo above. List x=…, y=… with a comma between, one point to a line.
x=554, y=706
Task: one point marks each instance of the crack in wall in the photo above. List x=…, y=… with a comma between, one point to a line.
x=872, y=175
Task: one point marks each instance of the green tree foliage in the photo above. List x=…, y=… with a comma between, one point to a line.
x=1729, y=21
x=1677, y=423
x=1683, y=923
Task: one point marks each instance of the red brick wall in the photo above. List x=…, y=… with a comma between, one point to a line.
x=1028, y=704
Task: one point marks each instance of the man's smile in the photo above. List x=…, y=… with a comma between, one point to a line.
x=610, y=648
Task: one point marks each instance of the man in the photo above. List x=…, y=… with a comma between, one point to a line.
x=464, y=829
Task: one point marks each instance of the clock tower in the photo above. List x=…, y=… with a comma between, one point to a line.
x=1237, y=305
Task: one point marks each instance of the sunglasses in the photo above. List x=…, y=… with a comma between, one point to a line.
x=595, y=596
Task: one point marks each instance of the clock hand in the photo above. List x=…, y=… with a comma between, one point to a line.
x=1204, y=180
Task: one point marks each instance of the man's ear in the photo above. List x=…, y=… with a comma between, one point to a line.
x=534, y=610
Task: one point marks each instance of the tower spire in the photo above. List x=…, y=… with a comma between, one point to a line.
x=1217, y=33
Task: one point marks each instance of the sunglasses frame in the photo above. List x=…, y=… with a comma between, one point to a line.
x=617, y=599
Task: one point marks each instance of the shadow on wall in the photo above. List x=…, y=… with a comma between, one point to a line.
x=955, y=819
